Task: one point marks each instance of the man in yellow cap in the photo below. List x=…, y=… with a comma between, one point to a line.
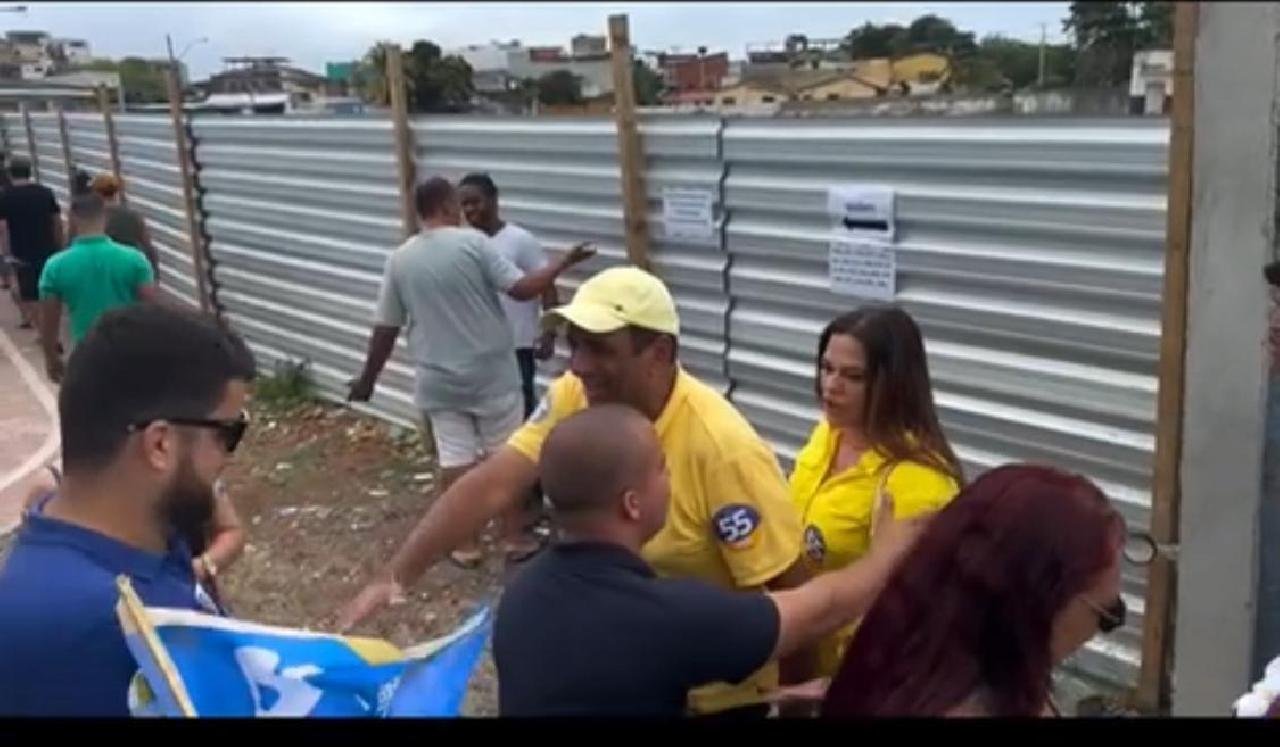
x=731, y=522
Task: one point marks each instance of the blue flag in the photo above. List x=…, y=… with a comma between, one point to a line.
x=194, y=664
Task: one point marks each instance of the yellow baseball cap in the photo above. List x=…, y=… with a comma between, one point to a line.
x=617, y=298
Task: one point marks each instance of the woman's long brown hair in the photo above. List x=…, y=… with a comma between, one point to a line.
x=899, y=419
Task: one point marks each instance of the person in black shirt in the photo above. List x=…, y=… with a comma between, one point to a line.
x=587, y=629
x=32, y=224
x=6, y=270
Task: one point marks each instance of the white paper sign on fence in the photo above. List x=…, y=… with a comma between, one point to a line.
x=863, y=268
x=688, y=212
x=863, y=210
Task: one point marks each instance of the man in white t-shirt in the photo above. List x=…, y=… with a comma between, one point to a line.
x=479, y=197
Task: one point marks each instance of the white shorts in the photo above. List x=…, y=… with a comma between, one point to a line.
x=463, y=438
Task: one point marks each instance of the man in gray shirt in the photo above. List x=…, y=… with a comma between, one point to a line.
x=444, y=282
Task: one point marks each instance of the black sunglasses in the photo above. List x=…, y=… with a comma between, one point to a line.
x=231, y=432
x=1111, y=617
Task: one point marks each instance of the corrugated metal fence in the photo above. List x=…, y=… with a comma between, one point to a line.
x=53, y=167
x=153, y=184
x=301, y=215
x=1030, y=251
x=560, y=179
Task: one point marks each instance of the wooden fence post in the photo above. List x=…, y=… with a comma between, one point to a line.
x=403, y=138
x=67, y=160
x=188, y=186
x=1152, y=693
x=113, y=145
x=31, y=141
x=635, y=201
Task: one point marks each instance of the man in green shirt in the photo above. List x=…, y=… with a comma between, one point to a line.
x=91, y=277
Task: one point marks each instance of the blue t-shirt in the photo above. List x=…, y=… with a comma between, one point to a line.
x=62, y=652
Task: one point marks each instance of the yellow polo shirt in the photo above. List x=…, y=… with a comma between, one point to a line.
x=730, y=522
x=835, y=510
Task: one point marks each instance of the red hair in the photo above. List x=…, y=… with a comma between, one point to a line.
x=971, y=610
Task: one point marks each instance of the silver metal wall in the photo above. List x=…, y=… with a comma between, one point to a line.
x=1031, y=254
x=560, y=179
x=301, y=215
x=89, y=148
x=16, y=132
x=153, y=186
x=53, y=167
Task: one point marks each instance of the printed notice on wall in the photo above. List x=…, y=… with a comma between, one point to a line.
x=688, y=212
x=863, y=210
x=864, y=268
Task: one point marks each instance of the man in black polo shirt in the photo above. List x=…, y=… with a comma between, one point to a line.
x=32, y=226
x=587, y=629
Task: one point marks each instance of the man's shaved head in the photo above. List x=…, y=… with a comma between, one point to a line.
x=595, y=456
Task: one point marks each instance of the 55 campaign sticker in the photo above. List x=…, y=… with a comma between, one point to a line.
x=735, y=525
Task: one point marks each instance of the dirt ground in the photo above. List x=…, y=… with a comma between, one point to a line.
x=327, y=496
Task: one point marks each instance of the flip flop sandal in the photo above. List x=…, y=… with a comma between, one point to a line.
x=466, y=562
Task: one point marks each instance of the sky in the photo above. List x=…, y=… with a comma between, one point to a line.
x=314, y=33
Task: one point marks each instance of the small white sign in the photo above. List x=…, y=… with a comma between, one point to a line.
x=863, y=268
x=862, y=210
x=688, y=212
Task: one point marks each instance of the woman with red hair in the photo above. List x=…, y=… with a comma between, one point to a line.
x=1016, y=574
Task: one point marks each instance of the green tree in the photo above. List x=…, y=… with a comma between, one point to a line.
x=871, y=41
x=977, y=73
x=436, y=82
x=370, y=77
x=929, y=33
x=560, y=87
x=647, y=82
x=143, y=81
x=1108, y=33
x=1019, y=61
x=433, y=81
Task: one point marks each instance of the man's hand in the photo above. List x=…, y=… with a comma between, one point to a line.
x=372, y=598
x=800, y=701
x=361, y=389
x=200, y=570
x=55, y=368
x=579, y=253
x=546, y=347
x=893, y=538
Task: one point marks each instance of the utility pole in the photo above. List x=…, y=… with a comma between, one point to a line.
x=1040, y=75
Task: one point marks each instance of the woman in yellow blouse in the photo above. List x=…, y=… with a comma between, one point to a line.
x=879, y=433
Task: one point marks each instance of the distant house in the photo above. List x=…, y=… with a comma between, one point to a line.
x=266, y=75
x=496, y=64
x=1151, y=81
x=584, y=45
x=693, y=72
x=921, y=70
x=34, y=55
x=801, y=85
x=770, y=85
x=491, y=82
x=265, y=85
x=912, y=75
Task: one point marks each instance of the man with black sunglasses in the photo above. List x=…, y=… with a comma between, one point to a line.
x=150, y=410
